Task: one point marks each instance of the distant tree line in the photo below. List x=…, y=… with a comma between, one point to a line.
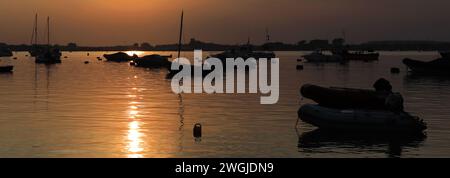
x=273, y=46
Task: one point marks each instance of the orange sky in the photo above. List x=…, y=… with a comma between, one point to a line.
x=106, y=22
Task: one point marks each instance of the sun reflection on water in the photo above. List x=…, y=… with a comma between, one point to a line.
x=135, y=141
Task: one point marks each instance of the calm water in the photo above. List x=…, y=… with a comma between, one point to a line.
x=113, y=110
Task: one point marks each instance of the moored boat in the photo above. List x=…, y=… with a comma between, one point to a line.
x=152, y=61
x=360, y=120
x=438, y=66
x=244, y=52
x=358, y=56
x=319, y=57
x=35, y=49
x=4, y=69
x=348, y=98
x=50, y=56
x=120, y=57
x=5, y=52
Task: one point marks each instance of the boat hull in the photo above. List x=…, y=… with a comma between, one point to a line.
x=34, y=52
x=436, y=67
x=6, y=53
x=358, y=56
x=47, y=61
x=119, y=57
x=152, y=61
x=346, y=98
x=360, y=120
x=316, y=58
x=6, y=69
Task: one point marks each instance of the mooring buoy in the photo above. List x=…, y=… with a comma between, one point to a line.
x=197, y=130
x=300, y=67
x=86, y=62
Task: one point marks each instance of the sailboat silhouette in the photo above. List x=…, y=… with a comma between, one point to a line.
x=49, y=55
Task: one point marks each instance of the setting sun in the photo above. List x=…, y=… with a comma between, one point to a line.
x=132, y=53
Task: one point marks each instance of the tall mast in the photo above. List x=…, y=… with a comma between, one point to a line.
x=48, y=31
x=181, y=110
x=181, y=34
x=34, y=34
x=36, y=29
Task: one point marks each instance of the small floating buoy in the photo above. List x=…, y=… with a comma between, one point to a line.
x=395, y=70
x=86, y=62
x=26, y=55
x=65, y=57
x=88, y=54
x=300, y=67
x=15, y=58
x=197, y=130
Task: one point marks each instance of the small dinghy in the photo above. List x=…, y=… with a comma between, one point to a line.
x=120, y=57
x=152, y=61
x=438, y=66
x=319, y=57
x=345, y=98
x=5, y=52
x=358, y=56
x=360, y=120
x=5, y=69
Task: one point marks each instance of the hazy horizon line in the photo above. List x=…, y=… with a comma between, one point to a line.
x=229, y=44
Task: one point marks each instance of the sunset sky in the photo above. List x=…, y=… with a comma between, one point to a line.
x=111, y=22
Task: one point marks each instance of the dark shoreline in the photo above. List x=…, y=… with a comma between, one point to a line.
x=273, y=46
